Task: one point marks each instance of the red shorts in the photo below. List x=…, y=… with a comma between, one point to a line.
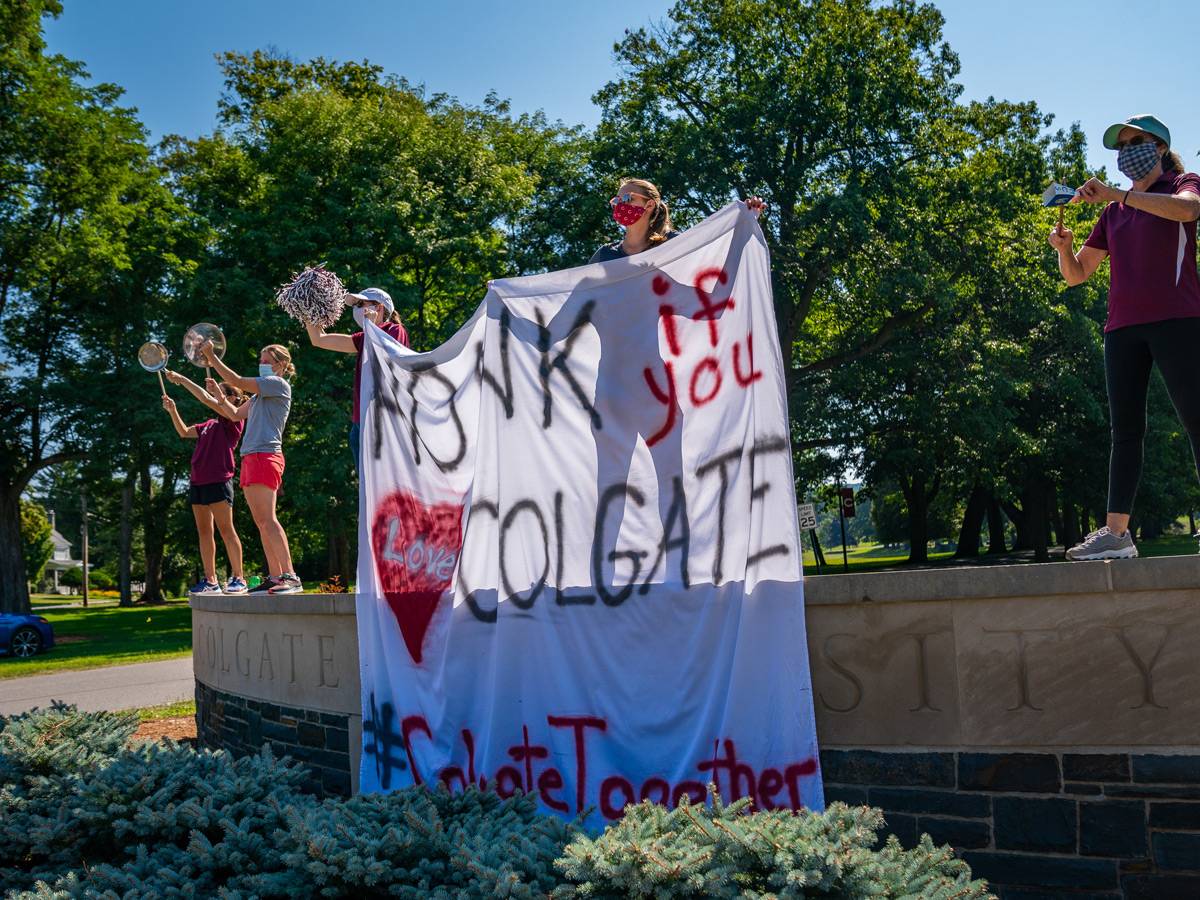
x=262, y=468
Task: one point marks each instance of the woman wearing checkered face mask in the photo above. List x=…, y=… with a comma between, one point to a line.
x=1148, y=231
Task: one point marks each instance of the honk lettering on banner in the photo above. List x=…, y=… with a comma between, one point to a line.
x=579, y=571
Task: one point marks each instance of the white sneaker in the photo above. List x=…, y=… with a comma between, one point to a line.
x=1103, y=544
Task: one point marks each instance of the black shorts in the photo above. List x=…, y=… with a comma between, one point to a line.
x=204, y=494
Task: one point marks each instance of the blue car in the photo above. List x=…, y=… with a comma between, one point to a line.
x=24, y=636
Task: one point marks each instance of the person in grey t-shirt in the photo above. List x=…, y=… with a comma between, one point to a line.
x=262, y=454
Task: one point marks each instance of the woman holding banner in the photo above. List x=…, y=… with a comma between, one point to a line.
x=1149, y=233
x=639, y=208
x=371, y=305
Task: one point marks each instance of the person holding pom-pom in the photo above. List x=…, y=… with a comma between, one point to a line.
x=371, y=305
x=262, y=453
x=211, y=489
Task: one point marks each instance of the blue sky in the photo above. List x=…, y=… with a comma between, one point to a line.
x=1082, y=61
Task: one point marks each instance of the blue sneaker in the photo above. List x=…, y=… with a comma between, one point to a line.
x=206, y=587
x=235, y=586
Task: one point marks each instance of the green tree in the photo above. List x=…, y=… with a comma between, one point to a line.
x=36, y=545
x=88, y=241
x=426, y=197
x=835, y=111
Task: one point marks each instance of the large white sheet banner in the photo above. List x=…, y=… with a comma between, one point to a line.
x=579, y=571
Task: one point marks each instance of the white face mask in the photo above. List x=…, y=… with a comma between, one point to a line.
x=360, y=315
x=265, y=370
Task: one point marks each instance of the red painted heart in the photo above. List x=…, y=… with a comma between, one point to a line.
x=416, y=549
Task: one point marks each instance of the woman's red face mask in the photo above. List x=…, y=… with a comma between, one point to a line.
x=624, y=211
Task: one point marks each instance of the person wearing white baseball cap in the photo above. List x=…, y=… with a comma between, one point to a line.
x=372, y=304
x=1148, y=232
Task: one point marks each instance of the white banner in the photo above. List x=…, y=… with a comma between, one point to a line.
x=579, y=570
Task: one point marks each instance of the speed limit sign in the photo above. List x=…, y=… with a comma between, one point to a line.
x=808, y=516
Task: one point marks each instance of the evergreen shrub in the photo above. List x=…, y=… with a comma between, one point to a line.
x=84, y=814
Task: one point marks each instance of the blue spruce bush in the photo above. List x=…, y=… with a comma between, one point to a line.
x=84, y=814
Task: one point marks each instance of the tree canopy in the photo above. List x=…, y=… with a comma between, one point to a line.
x=931, y=347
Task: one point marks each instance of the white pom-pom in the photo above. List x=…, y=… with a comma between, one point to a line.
x=315, y=296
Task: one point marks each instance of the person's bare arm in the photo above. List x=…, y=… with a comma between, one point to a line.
x=207, y=397
x=184, y=431
x=339, y=343
x=218, y=402
x=250, y=385
x=228, y=410
x=1076, y=268
x=1181, y=207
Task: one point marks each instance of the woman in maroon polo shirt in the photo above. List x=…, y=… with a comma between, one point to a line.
x=211, y=490
x=1149, y=234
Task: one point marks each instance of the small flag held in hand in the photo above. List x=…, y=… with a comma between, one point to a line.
x=1057, y=194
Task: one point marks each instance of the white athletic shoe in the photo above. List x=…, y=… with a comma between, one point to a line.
x=1103, y=544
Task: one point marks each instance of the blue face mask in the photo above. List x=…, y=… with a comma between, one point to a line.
x=265, y=371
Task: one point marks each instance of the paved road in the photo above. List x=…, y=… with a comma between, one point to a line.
x=113, y=687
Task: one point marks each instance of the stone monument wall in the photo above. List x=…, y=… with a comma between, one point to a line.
x=1044, y=720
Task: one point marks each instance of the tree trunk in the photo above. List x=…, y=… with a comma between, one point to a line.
x=995, y=520
x=1191, y=522
x=126, y=542
x=1070, y=524
x=1054, y=522
x=14, y=590
x=918, y=521
x=337, y=545
x=1033, y=498
x=1020, y=520
x=972, y=524
x=154, y=531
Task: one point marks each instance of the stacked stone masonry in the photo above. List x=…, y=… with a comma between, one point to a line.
x=319, y=740
x=1041, y=825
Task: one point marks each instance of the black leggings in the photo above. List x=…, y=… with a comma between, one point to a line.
x=1129, y=354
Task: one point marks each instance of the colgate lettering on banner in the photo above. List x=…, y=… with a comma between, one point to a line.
x=416, y=549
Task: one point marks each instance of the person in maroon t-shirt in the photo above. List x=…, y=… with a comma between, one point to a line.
x=373, y=305
x=1149, y=234
x=211, y=490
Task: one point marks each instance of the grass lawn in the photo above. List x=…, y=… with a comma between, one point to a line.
x=871, y=557
x=37, y=600
x=167, y=711
x=1168, y=545
x=862, y=558
x=108, y=636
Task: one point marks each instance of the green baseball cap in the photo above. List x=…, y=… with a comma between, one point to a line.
x=1146, y=123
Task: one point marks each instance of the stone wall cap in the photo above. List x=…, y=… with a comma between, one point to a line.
x=277, y=604
x=1035, y=580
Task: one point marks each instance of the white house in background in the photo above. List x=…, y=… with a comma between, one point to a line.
x=61, y=560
